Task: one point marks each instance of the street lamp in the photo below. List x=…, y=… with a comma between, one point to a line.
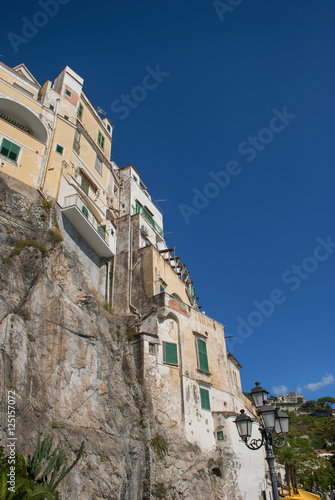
x=273, y=427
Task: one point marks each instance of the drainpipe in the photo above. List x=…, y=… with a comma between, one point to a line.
x=50, y=146
x=108, y=266
x=113, y=280
x=131, y=306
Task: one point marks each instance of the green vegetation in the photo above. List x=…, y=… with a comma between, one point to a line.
x=36, y=477
x=159, y=444
x=160, y=490
x=21, y=244
x=55, y=235
x=309, y=432
x=130, y=331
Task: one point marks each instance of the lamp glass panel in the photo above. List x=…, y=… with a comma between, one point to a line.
x=244, y=428
x=284, y=422
x=269, y=419
x=258, y=398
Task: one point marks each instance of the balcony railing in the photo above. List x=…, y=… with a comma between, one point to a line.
x=147, y=216
x=76, y=200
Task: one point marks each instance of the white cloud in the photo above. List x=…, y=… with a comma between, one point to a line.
x=299, y=389
x=315, y=386
x=279, y=390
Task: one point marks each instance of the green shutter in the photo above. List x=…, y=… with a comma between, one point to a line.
x=5, y=147
x=204, y=396
x=170, y=353
x=80, y=110
x=9, y=149
x=202, y=352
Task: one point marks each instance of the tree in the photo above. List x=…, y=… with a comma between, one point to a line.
x=327, y=399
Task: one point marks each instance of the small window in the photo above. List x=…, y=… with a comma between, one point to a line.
x=101, y=140
x=51, y=107
x=108, y=128
x=98, y=165
x=162, y=285
x=67, y=92
x=204, y=396
x=152, y=349
x=220, y=436
x=202, y=355
x=135, y=178
x=80, y=110
x=84, y=185
x=76, y=142
x=59, y=149
x=170, y=355
x=9, y=150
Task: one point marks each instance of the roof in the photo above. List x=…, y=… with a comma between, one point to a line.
x=234, y=360
x=22, y=70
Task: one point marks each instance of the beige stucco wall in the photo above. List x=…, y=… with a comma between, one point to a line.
x=155, y=267
x=30, y=159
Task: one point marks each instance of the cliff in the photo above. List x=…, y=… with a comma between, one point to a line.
x=70, y=363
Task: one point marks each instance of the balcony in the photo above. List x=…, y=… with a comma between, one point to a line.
x=78, y=213
x=147, y=216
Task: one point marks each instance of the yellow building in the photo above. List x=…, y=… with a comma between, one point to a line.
x=54, y=140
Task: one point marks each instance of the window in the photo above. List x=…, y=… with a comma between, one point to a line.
x=170, y=353
x=76, y=142
x=80, y=110
x=135, y=178
x=67, y=92
x=152, y=348
x=202, y=355
x=162, y=286
x=59, y=149
x=98, y=165
x=51, y=107
x=84, y=185
x=220, y=436
x=9, y=150
x=84, y=210
x=204, y=397
x=101, y=140
x=108, y=128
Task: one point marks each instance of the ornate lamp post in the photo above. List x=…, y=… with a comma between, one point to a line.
x=273, y=427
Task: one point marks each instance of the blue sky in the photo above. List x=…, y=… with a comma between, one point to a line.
x=228, y=114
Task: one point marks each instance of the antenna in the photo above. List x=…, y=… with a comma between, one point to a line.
x=101, y=111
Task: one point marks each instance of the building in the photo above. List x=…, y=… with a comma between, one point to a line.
x=53, y=140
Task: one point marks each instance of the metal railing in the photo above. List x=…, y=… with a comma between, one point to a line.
x=76, y=200
x=147, y=216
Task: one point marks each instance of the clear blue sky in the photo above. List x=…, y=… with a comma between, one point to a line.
x=246, y=90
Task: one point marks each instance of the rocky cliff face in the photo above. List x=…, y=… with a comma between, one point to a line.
x=70, y=362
